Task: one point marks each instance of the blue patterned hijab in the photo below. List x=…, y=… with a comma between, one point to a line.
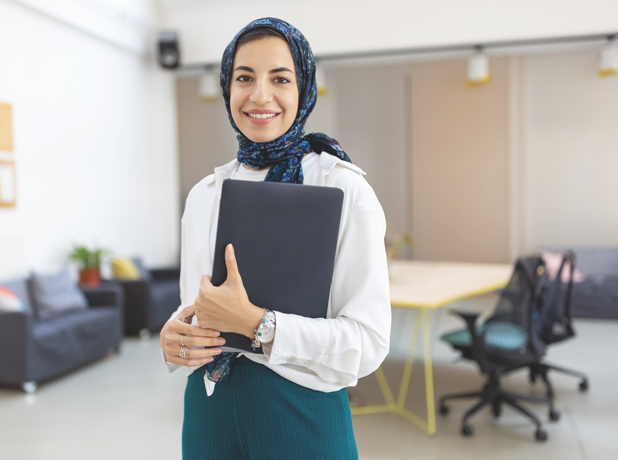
x=286, y=152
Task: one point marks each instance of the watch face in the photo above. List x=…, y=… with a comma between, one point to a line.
x=266, y=334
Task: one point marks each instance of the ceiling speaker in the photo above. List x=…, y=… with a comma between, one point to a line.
x=169, y=50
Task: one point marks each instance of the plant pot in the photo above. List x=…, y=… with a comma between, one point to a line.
x=90, y=276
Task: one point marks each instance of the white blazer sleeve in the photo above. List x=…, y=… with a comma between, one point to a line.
x=183, y=290
x=355, y=341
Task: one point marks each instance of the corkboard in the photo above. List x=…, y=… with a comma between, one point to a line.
x=8, y=184
x=6, y=127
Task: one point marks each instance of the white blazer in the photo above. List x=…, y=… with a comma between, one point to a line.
x=321, y=354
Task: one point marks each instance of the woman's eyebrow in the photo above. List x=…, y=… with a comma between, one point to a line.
x=280, y=69
x=245, y=68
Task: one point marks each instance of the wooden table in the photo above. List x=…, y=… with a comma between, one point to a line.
x=426, y=286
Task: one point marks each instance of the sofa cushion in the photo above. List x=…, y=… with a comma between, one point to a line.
x=9, y=301
x=53, y=294
x=67, y=340
x=593, y=261
x=20, y=288
x=144, y=274
x=124, y=269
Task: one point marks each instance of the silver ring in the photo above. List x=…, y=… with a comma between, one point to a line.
x=181, y=336
x=183, y=352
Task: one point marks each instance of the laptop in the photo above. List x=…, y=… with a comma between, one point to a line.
x=285, y=238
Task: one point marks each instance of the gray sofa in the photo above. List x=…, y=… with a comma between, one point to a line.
x=597, y=295
x=35, y=349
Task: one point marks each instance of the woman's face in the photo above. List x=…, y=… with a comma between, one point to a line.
x=264, y=93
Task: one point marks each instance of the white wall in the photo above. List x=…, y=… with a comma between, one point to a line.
x=569, y=153
x=363, y=25
x=95, y=146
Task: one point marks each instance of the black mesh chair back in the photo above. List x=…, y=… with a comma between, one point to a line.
x=511, y=327
x=555, y=306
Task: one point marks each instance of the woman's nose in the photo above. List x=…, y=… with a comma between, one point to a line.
x=261, y=93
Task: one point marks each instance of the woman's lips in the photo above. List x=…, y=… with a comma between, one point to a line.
x=256, y=118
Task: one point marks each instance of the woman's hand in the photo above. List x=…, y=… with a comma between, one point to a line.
x=179, y=332
x=227, y=308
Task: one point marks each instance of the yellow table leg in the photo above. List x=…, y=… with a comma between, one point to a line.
x=431, y=410
x=399, y=408
x=407, y=371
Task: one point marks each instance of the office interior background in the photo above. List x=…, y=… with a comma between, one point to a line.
x=106, y=145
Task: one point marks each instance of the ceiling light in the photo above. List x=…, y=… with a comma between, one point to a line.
x=608, y=58
x=210, y=89
x=320, y=78
x=478, y=68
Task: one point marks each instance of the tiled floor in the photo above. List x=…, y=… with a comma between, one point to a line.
x=127, y=407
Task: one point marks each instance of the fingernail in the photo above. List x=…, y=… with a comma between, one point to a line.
x=221, y=341
x=209, y=360
x=230, y=249
x=217, y=351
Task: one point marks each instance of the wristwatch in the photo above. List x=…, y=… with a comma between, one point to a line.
x=265, y=332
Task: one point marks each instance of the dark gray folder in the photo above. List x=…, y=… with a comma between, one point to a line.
x=285, y=238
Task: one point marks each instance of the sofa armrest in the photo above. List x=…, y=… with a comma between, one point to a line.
x=160, y=274
x=15, y=337
x=107, y=294
x=137, y=305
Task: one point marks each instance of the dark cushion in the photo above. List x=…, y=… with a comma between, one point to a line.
x=165, y=297
x=53, y=294
x=143, y=273
x=498, y=335
x=20, y=289
x=67, y=340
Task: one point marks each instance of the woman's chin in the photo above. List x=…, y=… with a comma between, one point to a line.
x=261, y=137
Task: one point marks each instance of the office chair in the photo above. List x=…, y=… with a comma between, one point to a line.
x=507, y=341
x=555, y=323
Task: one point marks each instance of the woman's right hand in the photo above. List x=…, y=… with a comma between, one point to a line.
x=180, y=332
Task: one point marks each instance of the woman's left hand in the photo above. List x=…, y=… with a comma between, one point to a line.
x=227, y=308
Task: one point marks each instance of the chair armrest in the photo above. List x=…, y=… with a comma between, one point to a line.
x=478, y=342
x=160, y=274
x=104, y=295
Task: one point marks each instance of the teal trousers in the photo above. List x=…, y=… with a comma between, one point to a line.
x=257, y=414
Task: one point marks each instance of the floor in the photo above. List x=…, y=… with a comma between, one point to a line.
x=126, y=407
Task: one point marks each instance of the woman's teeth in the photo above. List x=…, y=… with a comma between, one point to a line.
x=262, y=115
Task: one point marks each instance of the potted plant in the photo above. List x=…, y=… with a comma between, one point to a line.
x=395, y=244
x=89, y=263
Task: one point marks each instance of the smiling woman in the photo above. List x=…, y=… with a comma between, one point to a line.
x=289, y=401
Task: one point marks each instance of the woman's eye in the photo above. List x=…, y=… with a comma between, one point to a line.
x=243, y=78
x=281, y=80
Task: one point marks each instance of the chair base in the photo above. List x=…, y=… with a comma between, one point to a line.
x=542, y=369
x=492, y=394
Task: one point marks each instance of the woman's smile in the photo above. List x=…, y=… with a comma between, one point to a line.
x=261, y=117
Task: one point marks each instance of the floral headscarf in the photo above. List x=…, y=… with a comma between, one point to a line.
x=286, y=152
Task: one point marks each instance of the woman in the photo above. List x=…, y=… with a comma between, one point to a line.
x=289, y=402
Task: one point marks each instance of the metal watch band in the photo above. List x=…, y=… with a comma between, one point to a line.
x=265, y=332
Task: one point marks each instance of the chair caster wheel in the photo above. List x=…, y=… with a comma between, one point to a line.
x=554, y=415
x=496, y=409
x=467, y=431
x=444, y=410
x=583, y=385
x=540, y=435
